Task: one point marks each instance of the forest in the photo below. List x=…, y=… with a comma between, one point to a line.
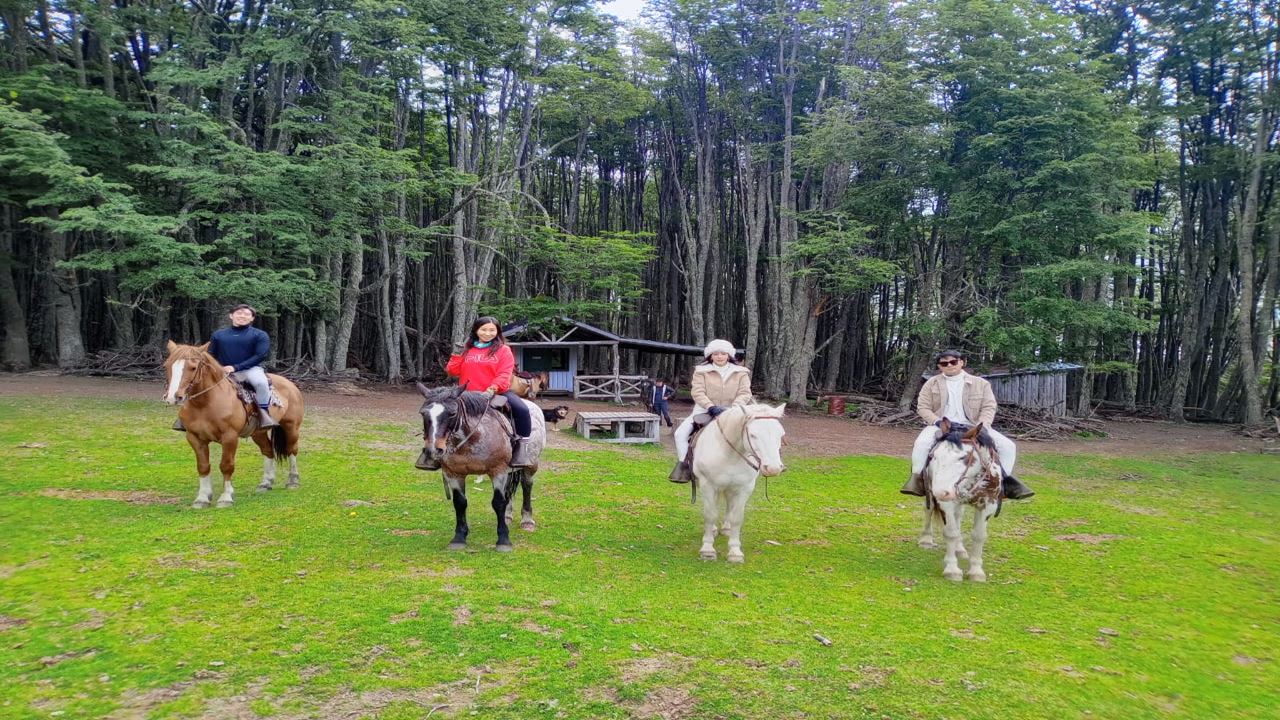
x=839, y=187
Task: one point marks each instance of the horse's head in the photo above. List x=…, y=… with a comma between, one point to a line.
x=962, y=461
x=184, y=367
x=439, y=411
x=762, y=433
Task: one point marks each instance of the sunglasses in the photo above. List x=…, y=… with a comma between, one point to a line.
x=948, y=363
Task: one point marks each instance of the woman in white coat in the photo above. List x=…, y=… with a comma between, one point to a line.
x=718, y=382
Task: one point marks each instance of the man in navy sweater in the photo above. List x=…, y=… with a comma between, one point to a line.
x=241, y=349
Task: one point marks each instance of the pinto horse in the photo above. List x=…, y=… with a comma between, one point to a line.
x=462, y=435
x=963, y=469
x=741, y=444
x=212, y=412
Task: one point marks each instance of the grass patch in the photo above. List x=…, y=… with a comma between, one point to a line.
x=1106, y=597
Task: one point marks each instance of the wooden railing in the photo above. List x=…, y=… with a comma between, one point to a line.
x=608, y=387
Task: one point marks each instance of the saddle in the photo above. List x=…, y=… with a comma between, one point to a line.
x=249, y=398
x=700, y=421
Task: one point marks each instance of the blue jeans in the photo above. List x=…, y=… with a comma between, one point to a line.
x=660, y=409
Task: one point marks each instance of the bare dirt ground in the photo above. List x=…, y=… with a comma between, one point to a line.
x=813, y=434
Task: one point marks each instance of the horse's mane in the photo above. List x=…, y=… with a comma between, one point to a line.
x=474, y=404
x=956, y=436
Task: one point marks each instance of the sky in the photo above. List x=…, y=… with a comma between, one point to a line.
x=625, y=10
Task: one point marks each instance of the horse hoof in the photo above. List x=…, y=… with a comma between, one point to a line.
x=503, y=548
x=707, y=555
x=927, y=545
x=263, y=488
x=200, y=504
x=528, y=526
x=457, y=546
x=724, y=531
x=977, y=576
x=293, y=485
x=953, y=576
x=962, y=554
x=739, y=558
x=225, y=503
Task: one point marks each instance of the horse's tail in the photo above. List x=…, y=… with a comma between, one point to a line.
x=279, y=442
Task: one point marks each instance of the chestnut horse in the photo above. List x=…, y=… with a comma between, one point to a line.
x=212, y=412
x=529, y=387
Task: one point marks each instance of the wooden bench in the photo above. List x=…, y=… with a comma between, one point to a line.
x=616, y=423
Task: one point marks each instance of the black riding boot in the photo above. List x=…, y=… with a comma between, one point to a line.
x=1015, y=490
x=265, y=421
x=913, y=487
x=520, y=453
x=682, y=473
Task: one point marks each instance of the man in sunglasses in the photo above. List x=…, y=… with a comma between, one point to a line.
x=961, y=398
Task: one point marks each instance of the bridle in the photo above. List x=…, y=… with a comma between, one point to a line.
x=195, y=375
x=746, y=436
x=973, y=451
x=457, y=427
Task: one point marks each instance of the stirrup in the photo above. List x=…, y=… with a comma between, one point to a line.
x=1014, y=489
x=265, y=421
x=682, y=473
x=912, y=487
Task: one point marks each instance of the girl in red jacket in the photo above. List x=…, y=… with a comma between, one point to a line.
x=484, y=363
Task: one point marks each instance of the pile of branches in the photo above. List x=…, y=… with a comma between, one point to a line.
x=147, y=363
x=140, y=363
x=1020, y=423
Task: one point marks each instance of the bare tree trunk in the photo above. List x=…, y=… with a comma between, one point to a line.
x=835, y=346
x=15, y=21
x=66, y=299
x=1251, y=407
x=17, y=349
x=350, y=301
x=754, y=188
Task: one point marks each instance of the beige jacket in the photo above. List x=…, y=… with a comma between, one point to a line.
x=708, y=388
x=979, y=400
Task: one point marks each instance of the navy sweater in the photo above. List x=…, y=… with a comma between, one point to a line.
x=241, y=348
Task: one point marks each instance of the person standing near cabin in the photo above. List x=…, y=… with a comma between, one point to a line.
x=659, y=393
x=484, y=362
x=966, y=399
x=241, y=349
x=718, y=383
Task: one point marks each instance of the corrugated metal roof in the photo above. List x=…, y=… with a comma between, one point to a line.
x=602, y=334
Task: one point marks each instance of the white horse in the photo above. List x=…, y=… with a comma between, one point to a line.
x=739, y=446
x=963, y=469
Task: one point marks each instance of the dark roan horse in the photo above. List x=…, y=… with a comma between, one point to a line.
x=463, y=436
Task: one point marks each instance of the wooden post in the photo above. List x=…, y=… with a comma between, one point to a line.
x=617, y=380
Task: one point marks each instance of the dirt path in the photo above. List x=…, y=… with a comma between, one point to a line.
x=812, y=433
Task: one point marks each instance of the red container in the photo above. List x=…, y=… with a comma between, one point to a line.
x=835, y=405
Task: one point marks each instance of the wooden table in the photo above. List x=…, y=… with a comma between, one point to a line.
x=616, y=423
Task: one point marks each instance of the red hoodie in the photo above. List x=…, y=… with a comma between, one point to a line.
x=477, y=370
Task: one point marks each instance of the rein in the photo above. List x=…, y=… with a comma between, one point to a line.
x=747, y=436
x=196, y=376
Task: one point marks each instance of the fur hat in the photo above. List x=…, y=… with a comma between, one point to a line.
x=716, y=346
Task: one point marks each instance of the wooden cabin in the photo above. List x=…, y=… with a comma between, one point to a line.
x=1042, y=386
x=563, y=355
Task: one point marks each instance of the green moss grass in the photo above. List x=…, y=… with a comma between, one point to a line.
x=1129, y=588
